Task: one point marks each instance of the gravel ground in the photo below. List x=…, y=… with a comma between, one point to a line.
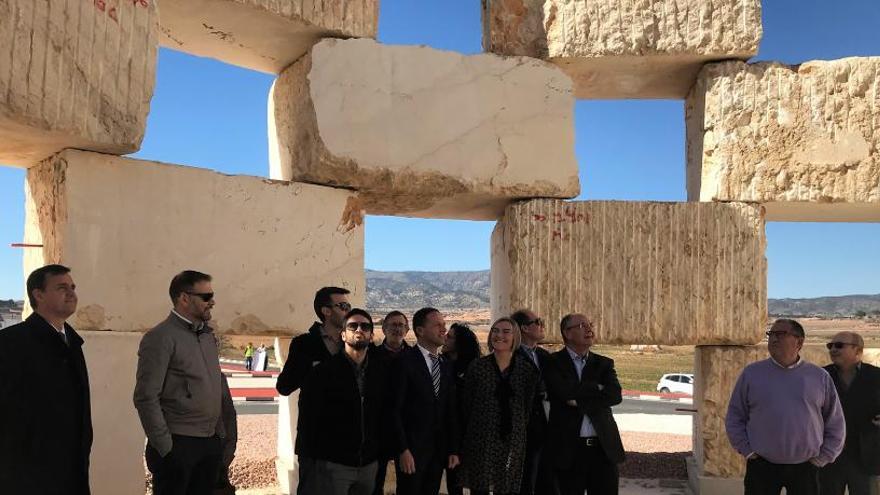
x=649, y=455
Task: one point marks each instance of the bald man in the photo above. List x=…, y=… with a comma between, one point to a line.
x=858, y=386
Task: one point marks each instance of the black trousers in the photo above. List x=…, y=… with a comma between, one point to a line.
x=191, y=468
x=845, y=472
x=426, y=479
x=765, y=478
x=537, y=473
x=591, y=471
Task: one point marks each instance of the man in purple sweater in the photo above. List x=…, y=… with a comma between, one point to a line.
x=785, y=418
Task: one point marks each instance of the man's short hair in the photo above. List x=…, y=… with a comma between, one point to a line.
x=392, y=314
x=323, y=299
x=37, y=280
x=184, y=282
x=521, y=317
x=796, y=328
x=359, y=312
x=855, y=339
x=421, y=316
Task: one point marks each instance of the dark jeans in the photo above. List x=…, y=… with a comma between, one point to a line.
x=249, y=363
x=338, y=479
x=591, y=471
x=765, y=478
x=191, y=468
x=537, y=474
x=453, y=483
x=845, y=472
x=307, y=482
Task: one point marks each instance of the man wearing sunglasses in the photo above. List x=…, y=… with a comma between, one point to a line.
x=347, y=395
x=179, y=391
x=784, y=417
x=858, y=386
x=306, y=351
x=537, y=473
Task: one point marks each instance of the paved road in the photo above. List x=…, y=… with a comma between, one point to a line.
x=629, y=406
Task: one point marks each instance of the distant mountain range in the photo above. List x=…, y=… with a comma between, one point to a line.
x=470, y=290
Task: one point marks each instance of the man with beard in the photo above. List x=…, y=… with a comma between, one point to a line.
x=45, y=418
x=179, y=392
x=306, y=351
x=784, y=417
x=423, y=416
x=347, y=396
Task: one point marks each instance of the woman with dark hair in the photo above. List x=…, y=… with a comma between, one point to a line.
x=498, y=394
x=461, y=348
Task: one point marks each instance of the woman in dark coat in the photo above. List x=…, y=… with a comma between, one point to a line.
x=461, y=348
x=498, y=395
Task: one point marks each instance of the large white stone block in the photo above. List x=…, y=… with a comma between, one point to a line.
x=74, y=74
x=126, y=227
x=422, y=132
x=802, y=140
x=117, y=461
x=645, y=273
x=263, y=35
x=613, y=49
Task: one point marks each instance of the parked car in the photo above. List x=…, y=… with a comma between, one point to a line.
x=676, y=383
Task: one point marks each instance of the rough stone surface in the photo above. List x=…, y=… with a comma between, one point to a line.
x=645, y=273
x=613, y=49
x=117, y=461
x=264, y=35
x=126, y=227
x=422, y=132
x=802, y=140
x=716, y=370
x=74, y=74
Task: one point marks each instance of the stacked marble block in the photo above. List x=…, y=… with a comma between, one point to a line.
x=765, y=142
x=76, y=79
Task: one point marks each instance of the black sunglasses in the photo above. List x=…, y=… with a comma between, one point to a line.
x=204, y=296
x=363, y=325
x=536, y=321
x=342, y=305
x=836, y=345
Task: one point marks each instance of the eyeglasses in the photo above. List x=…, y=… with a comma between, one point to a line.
x=836, y=345
x=584, y=325
x=365, y=326
x=204, y=296
x=778, y=333
x=536, y=321
x=344, y=306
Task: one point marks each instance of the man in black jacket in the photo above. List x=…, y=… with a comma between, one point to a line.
x=347, y=395
x=858, y=387
x=307, y=351
x=537, y=473
x=45, y=413
x=583, y=436
x=423, y=415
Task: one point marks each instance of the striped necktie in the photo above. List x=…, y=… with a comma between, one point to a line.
x=435, y=373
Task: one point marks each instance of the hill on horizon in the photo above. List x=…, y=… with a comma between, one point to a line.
x=470, y=289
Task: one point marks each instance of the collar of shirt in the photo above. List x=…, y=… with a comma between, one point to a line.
x=192, y=326
x=358, y=368
x=391, y=349
x=793, y=366
x=577, y=357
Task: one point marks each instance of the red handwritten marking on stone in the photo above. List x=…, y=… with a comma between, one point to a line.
x=569, y=215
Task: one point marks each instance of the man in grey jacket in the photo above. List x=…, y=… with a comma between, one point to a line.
x=179, y=392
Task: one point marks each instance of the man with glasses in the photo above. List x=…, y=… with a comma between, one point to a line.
x=306, y=351
x=179, y=391
x=784, y=417
x=584, y=440
x=347, y=396
x=537, y=475
x=45, y=415
x=858, y=386
x=423, y=415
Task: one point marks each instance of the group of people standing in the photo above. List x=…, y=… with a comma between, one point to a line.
x=518, y=420
x=256, y=359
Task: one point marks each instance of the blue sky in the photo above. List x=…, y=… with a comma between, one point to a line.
x=208, y=114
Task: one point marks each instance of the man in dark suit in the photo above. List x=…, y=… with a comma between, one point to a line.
x=583, y=436
x=423, y=415
x=858, y=387
x=45, y=413
x=537, y=473
x=307, y=351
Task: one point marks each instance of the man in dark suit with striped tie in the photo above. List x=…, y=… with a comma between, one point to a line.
x=423, y=415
